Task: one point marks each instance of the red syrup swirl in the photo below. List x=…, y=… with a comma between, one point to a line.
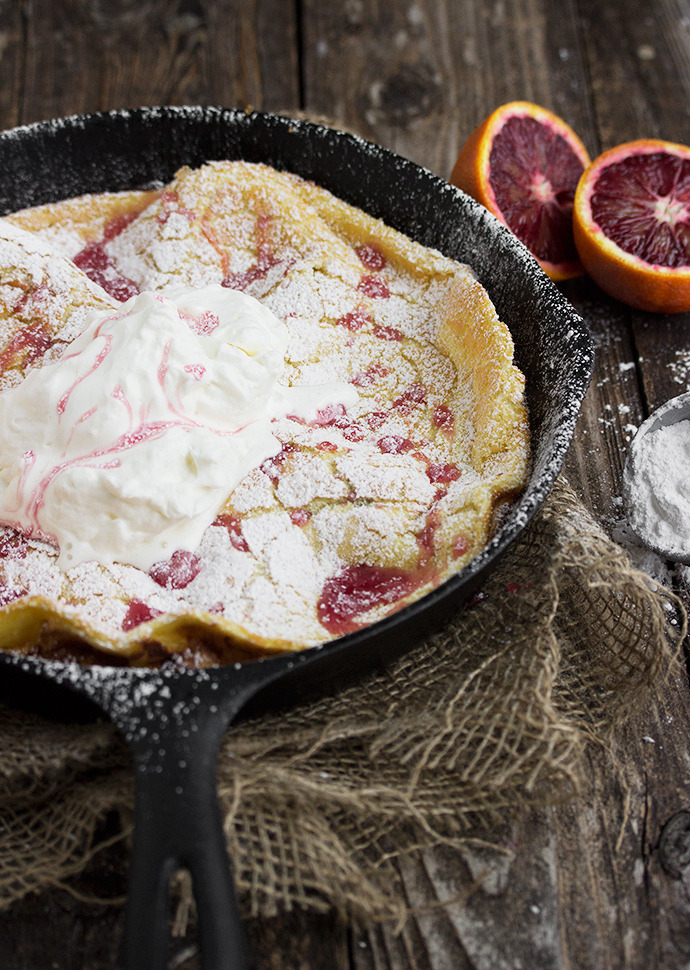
x=387, y=333
x=412, y=396
x=176, y=572
x=10, y=595
x=116, y=226
x=426, y=539
x=376, y=419
x=169, y=201
x=273, y=467
x=137, y=613
x=265, y=259
x=354, y=320
x=353, y=432
x=299, y=517
x=335, y=416
x=371, y=256
x=365, y=378
x=32, y=343
x=374, y=287
x=443, y=473
x=444, y=419
x=395, y=444
x=126, y=441
x=233, y=524
x=13, y=545
x=99, y=267
x=357, y=589
x=201, y=324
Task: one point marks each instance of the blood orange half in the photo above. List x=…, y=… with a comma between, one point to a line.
x=523, y=163
x=631, y=222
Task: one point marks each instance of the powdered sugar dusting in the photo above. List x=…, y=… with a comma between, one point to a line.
x=369, y=484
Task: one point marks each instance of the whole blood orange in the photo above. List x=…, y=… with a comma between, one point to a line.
x=631, y=223
x=523, y=163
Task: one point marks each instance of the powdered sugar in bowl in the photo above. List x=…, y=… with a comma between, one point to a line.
x=656, y=480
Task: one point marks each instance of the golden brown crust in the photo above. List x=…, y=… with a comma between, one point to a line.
x=86, y=216
x=412, y=329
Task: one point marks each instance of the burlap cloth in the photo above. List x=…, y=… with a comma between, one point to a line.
x=494, y=713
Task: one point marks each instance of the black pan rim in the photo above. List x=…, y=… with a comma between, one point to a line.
x=537, y=489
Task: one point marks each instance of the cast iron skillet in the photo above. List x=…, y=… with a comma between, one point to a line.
x=174, y=720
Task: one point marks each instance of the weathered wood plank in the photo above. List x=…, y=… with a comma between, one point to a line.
x=124, y=54
x=575, y=874
x=419, y=77
x=578, y=885
x=638, y=62
x=12, y=55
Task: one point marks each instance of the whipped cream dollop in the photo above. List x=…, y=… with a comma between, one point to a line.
x=125, y=448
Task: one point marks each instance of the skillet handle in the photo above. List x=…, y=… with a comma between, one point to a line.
x=177, y=824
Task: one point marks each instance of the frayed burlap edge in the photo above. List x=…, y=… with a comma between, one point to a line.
x=490, y=716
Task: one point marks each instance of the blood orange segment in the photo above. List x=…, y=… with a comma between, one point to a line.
x=523, y=163
x=631, y=224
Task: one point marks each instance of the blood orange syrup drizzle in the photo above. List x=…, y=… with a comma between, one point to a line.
x=99, y=267
x=377, y=419
x=265, y=260
x=13, y=545
x=365, y=378
x=412, y=396
x=9, y=595
x=387, y=333
x=354, y=320
x=34, y=341
x=100, y=357
x=169, y=200
x=460, y=546
x=201, y=324
x=444, y=419
x=371, y=256
x=374, y=287
x=233, y=524
x=138, y=612
x=119, y=395
x=355, y=590
x=273, y=467
x=178, y=571
x=335, y=416
x=426, y=540
x=128, y=440
x=442, y=473
x=394, y=444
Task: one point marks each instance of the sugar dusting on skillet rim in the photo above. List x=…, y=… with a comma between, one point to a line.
x=565, y=362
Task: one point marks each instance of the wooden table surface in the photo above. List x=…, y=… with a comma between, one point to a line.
x=591, y=884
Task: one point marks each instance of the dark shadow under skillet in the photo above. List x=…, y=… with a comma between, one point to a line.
x=174, y=720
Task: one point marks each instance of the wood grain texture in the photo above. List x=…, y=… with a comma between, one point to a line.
x=90, y=55
x=599, y=882
x=419, y=77
x=582, y=886
x=637, y=60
